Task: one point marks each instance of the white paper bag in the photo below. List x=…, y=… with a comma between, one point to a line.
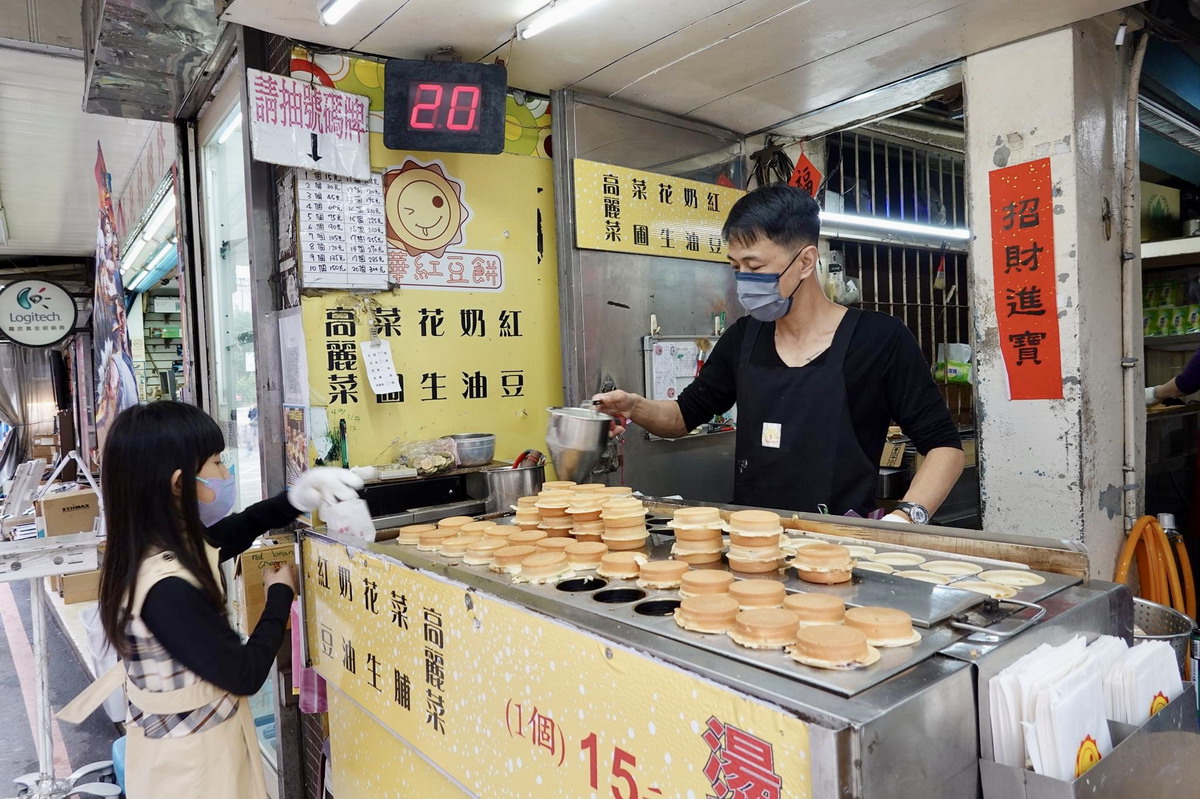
x=350, y=518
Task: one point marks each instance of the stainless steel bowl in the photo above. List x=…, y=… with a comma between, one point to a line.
x=474, y=449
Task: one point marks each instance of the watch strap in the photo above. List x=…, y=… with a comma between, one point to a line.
x=921, y=514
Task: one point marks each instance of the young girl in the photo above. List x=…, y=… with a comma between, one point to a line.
x=167, y=497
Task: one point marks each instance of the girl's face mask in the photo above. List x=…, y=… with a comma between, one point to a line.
x=226, y=490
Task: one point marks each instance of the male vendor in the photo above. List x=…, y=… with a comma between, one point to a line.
x=816, y=384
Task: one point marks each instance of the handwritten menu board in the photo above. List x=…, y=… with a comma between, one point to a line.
x=343, y=242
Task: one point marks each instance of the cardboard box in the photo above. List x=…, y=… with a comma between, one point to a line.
x=46, y=453
x=1160, y=212
x=81, y=587
x=250, y=595
x=893, y=455
x=67, y=512
x=8, y=526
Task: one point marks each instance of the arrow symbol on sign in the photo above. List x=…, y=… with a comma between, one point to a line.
x=314, y=155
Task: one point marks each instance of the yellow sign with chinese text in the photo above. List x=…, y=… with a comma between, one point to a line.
x=473, y=327
x=627, y=210
x=371, y=763
x=510, y=703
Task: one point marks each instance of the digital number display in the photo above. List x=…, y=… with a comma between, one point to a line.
x=440, y=106
x=444, y=106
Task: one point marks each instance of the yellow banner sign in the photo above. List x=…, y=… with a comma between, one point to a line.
x=473, y=328
x=627, y=210
x=509, y=703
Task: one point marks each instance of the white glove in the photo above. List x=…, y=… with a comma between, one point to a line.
x=896, y=518
x=323, y=485
x=1150, y=398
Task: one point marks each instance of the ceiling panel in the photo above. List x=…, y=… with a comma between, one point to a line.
x=607, y=31
x=473, y=29
x=738, y=64
x=963, y=30
x=298, y=19
x=742, y=47
x=48, y=155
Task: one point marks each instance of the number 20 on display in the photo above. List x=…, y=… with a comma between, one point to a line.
x=430, y=111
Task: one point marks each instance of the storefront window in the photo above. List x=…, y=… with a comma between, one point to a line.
x=227, y=259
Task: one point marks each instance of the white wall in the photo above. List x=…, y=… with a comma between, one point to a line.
x=1053, y=468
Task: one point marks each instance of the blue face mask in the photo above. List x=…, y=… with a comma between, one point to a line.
x=226, y=490
x=759, y=294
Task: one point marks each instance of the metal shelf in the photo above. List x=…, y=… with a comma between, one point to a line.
x=1171, y=253
x=1187, y=343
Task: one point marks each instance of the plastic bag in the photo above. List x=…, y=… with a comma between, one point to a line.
x=954, y=364
x=427, y=457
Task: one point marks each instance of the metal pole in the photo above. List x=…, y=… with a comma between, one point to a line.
x=41, y=662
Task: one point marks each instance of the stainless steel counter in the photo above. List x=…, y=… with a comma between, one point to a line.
x=908, y=725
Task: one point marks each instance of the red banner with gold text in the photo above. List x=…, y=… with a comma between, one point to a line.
x=1022, y=216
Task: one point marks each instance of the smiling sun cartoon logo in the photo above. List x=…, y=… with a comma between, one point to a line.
x=425, y=209
x=1087, y=756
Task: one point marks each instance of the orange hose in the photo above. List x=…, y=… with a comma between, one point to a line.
x=1189, y=580
x=1125, y=559
x=1158, y=572
x=1144, y=567
x=1171, y=567
x=1165, y=569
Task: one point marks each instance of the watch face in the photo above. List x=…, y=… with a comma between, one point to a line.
x=918, y=514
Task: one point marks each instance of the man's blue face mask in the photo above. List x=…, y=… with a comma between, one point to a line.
x=759, y=293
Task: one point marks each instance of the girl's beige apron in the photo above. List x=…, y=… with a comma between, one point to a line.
x=222, y=761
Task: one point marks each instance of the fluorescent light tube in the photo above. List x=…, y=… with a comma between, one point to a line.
x=895, y=226
x=230, y=127
x=130, y=258
x=166, y=208
x=551, y=14
x=332, y=13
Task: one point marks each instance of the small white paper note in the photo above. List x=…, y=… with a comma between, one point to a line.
x=381, y=370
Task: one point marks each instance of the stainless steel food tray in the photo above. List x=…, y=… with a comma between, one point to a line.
x=844, y=682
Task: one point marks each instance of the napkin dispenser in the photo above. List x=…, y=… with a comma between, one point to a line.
x=1160, y=758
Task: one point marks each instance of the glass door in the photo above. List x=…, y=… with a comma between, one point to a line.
x=227, y=262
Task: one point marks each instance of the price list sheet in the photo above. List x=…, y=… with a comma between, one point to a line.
x=343, y=243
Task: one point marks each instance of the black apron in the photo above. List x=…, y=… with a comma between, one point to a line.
x=796, y=447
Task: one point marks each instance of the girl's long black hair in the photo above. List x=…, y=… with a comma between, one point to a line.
x=145, y=447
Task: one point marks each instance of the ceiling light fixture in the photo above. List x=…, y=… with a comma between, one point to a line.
x=895, y=226
x=232, y=125
x=332, y=11
x=551, y=14
x=149, y=233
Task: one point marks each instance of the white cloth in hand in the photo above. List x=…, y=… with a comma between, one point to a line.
x=1150, y=398
x=895, y=517
x=323, y=485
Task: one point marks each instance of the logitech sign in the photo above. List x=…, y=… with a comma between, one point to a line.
x=36, y=313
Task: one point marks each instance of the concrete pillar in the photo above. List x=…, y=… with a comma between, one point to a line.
x=1052, y=468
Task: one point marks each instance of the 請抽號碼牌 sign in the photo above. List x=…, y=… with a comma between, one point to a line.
x=304, y=124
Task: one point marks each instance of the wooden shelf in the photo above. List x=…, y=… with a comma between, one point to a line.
x=1171, y=253
x=1188, y=343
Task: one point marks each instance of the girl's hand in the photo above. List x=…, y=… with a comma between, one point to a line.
x=281, y=574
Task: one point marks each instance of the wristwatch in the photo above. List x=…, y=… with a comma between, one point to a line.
x=918, y=513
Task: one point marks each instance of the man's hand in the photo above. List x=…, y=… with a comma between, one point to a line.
x=618, y=404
